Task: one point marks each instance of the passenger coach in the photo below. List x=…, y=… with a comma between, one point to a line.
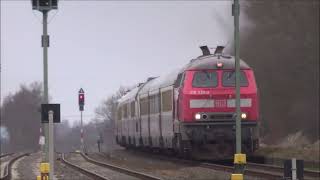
x=192, y=110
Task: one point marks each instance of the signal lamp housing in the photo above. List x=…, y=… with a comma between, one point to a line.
x=44, y=5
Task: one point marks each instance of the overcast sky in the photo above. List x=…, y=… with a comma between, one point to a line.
x=100, y=46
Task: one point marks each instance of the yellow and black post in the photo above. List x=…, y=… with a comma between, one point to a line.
x=240, y=161
x=44, y=170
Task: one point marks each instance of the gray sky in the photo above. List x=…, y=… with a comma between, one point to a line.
x=100, y=46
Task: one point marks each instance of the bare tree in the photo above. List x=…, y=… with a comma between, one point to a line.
x=21, y=117
x=105, y=118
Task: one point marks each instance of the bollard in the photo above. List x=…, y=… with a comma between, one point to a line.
x=293, y=169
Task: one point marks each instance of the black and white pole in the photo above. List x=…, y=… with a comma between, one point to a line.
x=51, y=145
x=81, y=108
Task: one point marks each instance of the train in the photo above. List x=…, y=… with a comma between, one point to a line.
x=191, y=111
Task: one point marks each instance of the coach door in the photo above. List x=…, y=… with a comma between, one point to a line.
x=167, y=115
x=144, y=118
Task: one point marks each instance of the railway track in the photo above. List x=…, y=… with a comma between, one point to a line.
x=5, y=155
x=277, y=169
x=6, y=164
x=257, y=170
x=103, y=171
x=252, y=169
x=92, y=174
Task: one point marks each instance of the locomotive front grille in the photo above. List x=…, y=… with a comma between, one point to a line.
x=216, y=117
x=221, y=117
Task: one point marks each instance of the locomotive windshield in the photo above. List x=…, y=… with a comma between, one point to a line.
x=228, y=78
x=205, y=79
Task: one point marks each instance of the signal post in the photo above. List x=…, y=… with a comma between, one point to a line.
x=44, y=6
x=239, y=158
x=81, y=108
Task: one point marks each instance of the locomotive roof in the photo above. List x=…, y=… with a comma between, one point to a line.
x=210, y=62
x=200, y=63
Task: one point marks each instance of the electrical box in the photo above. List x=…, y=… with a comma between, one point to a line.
x=45, y=108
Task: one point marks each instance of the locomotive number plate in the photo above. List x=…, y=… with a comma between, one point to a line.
x=220, y=103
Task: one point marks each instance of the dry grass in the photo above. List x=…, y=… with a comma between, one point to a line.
x=293, y=146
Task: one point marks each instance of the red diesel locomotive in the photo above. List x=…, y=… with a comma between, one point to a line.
x=192, y=110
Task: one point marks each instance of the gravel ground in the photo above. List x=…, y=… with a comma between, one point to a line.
x=3, y=163
x=76, y=158
x=67, y=173
x=27, y=168
x=164, y=169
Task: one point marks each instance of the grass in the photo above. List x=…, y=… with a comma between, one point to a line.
x=294, y=146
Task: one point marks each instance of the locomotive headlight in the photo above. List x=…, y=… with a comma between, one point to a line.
x=243, y=116
x=197, y=116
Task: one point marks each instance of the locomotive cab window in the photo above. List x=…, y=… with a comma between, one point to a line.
x=229, y=78
x=205, y=79
x=179, y=80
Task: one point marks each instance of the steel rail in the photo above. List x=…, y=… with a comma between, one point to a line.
x=129, y=172
x=8, y=167
x=82, y=170
x=5, y=155
x=219, y=167
x=248, y=172
x=307, y=173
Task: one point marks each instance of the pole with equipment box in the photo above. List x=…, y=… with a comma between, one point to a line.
x=45, y=6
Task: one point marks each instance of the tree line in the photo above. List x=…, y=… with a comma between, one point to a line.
x=282, y=46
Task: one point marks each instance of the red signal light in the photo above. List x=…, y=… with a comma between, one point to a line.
x=81, y=99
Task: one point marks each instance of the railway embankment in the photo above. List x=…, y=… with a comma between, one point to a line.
x=292, y=147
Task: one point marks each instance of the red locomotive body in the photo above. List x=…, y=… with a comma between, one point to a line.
x=191, y=110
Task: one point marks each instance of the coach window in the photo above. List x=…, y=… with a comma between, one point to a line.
x=132, y=109
x=119, y=113
x=166, y=101
x=154, y=104
x=144, y=106
x=125, y=111
x=151, y=104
